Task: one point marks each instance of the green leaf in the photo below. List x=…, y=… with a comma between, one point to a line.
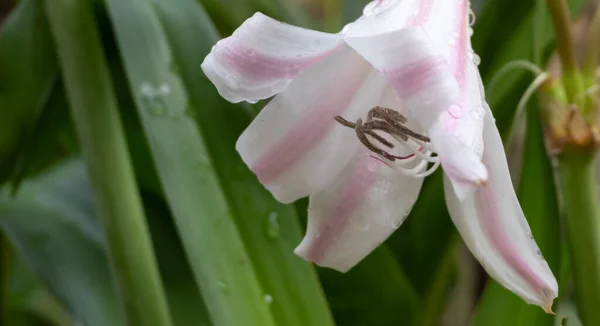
x=270, y=230
x=51, y=224
x=288, y=286
x=185, y=301
x=27, y=75
x=203, y=218
x=375, y=292
x=102, y=140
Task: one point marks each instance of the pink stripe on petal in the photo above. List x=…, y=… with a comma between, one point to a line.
x=492, y=225
x=416, y=77
x=312, y=128
x=351, y=197
x=254, y=64
x=422, y=15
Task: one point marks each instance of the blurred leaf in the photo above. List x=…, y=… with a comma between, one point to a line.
x=51, y=224
x=291, y=301
x=25, y=318
x=185, y=301
x=100, y=133
x=27, y=74
x=352, y=9
x=43, y=145
x=270, y=230
x=375, y=292
x=192, y=190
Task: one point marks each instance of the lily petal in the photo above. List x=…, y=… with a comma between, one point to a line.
x=362, y=208
x=494, y=228
x=414, y=67
x=294, y=146
x=427, y=57
x=457, y=135
x=263, y=55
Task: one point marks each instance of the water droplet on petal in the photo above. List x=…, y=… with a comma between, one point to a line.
x=476, y=59
x=272, y=227
x=476, y=114
x=451, y=38
x=455, y=111
x=472, y=18
x=372, y=165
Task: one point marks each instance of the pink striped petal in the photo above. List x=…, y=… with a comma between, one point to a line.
x=362, y=208
x=294, y=146
x=457, y=135
x=263, y=56
x=494, y=227
x=427, y=58
x=414, y=67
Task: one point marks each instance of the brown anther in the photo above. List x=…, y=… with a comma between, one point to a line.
x=344, y=122
x=387, y=114
x=384, y=120
x=360, y=133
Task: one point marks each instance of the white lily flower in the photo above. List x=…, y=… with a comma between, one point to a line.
x=362, y=116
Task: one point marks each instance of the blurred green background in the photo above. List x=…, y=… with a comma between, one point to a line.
x=223, y=245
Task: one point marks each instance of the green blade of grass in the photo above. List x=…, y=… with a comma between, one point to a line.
x=270, y=230
x=204, y=220
x=99, y=129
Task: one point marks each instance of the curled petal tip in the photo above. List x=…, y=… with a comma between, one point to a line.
x=547, y=306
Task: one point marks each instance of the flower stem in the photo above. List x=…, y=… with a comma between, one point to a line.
x=582, y=214
x=102, y=140
x=559, y=11
x=590, y=65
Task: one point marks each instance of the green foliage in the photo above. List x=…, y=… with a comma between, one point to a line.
x=223, y=245
x=51, y=223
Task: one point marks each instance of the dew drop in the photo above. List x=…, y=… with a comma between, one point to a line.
x=455, y=111
x=316, y=42
x=476, y=114
x=152, y=100
x=476, y=59
x=472, y=18
x=272, y=226
x=223, y=286
x=372, y=165
x=250, y=52
x=232, y=82
x=451, y=38
x=268, y=299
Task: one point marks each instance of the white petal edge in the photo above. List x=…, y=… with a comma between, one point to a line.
x=359, y=211
x=294, y=146
x=262, y=56
x=494, y=228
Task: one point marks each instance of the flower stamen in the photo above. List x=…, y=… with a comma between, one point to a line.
x=388, y=121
